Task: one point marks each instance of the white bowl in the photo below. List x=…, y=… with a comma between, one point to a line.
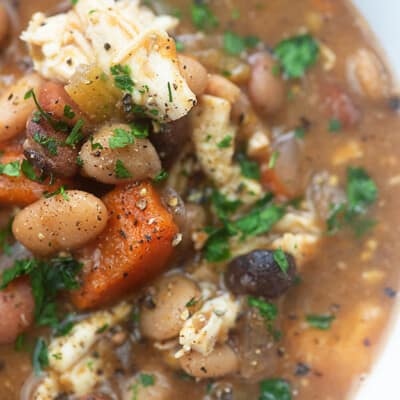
x=382, y=383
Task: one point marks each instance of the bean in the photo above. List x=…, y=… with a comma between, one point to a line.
x=194, y=73
x=258, y=274
x=221, y=87
x=60, y=224
x=164, y=320
x=266, y=89
x=14, y=110
x=140, y=158
x=16, y=310
x=44, y=148
x=221, y=362
x=4, y=23
x=367, y=75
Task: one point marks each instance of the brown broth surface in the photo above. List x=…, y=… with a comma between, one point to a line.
x=335, y=281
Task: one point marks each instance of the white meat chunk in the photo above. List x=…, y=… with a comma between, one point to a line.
x=214, y=140
x=108, y=33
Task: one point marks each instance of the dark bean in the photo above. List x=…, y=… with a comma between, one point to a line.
x=170, y=140
x=45, y=149
x=258, y=274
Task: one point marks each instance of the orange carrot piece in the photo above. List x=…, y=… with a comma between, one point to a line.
x=135, y=246
x=20, y=190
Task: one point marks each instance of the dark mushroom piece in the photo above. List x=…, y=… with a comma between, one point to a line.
x=259, y=274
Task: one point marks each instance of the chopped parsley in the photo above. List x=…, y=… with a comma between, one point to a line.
x=225, y=142
x=103, y=329
x=321, y=322
x=64, y=327
x=281, y=260
x=147, y=380
x=361, y=194
x=180, y=46
x=47, y=142
x=47, y=278
x=335, y=125
x=297, y=54
x=120, y=171
x=19, y=342
x=10, y=169
x=68, y=113
x=249, y=169
x=192, y=302
x=122, y=77
x=275, y=389
x=95, y=146
x=170, y=98
x=60, y=190
x=257, y=222
x=267, y=310
x=235, y=44
x=40, y=358
x=122, y=137
x=161, y=176
x=202, y=16
x=224, y=206
x=274, y=158
x=76, y=134
x=29, y=171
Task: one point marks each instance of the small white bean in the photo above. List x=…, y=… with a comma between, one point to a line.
x=14, y=109
x=367, y=75
x=139, y=158
x=221, y=87
x=194, y=73
x=266, y=89
x=222, y=361
x=57, y=223
x=171, y=296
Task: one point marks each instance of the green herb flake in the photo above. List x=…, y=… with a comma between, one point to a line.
x=217, y=245
x=120, y=171
x=60, y=191
x=225, y=142
x=192, y=302
x=29, y=171
x=202, y=16
x=76, y=134
x=147, y=380
x=235, y=44
x=267, y=310
x=120, y=139
x=95, y=146
x=321, y=322
x=224, y=206
x=300, y=133
x=48, y=143
x=103, y=329
x=180, y=46
x=161, y=176
x=68, y=113
x=171, y=99
x=335, y=125
x=20, y=342
x=122, y=77
x=249, y=169
x=274, y=158
x=281, y=259
x=275, y=389
x=40, y=359
x=10, y=169
x=297, y=54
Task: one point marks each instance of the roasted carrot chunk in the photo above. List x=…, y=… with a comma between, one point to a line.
x=19, y=190
x=135, y=246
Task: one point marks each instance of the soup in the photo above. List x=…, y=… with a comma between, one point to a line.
x=207, y=213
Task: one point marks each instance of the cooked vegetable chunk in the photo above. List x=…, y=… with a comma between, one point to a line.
x=135, y=246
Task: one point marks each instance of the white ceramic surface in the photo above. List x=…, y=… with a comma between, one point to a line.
x=382, y=384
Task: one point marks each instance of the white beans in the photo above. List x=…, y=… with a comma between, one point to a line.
x=222, y=361
x=14, y=110
x=16, y=310
x=139, y=159
x=4, y=23
x=266, y=89
x=367, y=75
x=221, y=87
x=57, y=223
x=165, y=320
x=194, y=73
